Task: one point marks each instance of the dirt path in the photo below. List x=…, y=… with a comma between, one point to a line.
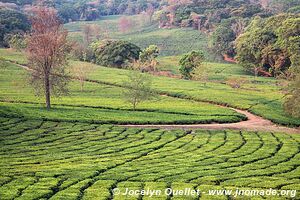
x=254, y=123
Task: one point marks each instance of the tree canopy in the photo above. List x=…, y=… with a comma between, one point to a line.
x=12, y=22
x=270, y=44
x=279, y=6
x=115, y=53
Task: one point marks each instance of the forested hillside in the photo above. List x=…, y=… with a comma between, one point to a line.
x=176, y=10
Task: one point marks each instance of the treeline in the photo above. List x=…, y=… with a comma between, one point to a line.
x=223, y=20
x=14, y=14
x=75, y=10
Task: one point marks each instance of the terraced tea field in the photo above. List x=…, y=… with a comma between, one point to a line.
x=60, y=160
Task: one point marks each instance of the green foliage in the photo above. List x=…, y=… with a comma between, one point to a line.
x=267, y=44
x=67, y=13
x=201, y=73
x=149, y=54
x=12, y=22
x=189, y=62
x=115, y=53
x=212, y=12
x=175, y=41
x=17, y=42
x=295, y=10
x=250, y=43
x=279, y=6
x=289, y=39
x=99, y=190
x=292, y=103
x=222, y=40
x=103, y=103
x=148, y=58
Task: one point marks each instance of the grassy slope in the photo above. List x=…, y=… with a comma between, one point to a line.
x=263, y=98
x=102, y=104
x=171, y=42
x=216, y=71
x=86, y=161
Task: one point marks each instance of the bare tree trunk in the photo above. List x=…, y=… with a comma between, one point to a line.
x=134, y=103
x=255, y=72
x=47, y=91
x=81, y=85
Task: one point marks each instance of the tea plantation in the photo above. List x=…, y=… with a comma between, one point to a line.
x=60, y=160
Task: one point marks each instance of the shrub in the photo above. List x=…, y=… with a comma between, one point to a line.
x=148, y=58
x=189, y=62
x=16, y=41
x=82, y=53
x=235, y=82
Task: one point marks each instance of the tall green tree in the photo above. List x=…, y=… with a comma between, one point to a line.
x=222, y=40
x=17, y=41
x=68, y=13
x=289, y=34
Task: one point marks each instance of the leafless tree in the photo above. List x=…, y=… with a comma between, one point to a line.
x=47, y=51
x=150, y=11
x=90, y=32
x=81, y=72
x=137, y=88
x=87, y=33
x=125, y=24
